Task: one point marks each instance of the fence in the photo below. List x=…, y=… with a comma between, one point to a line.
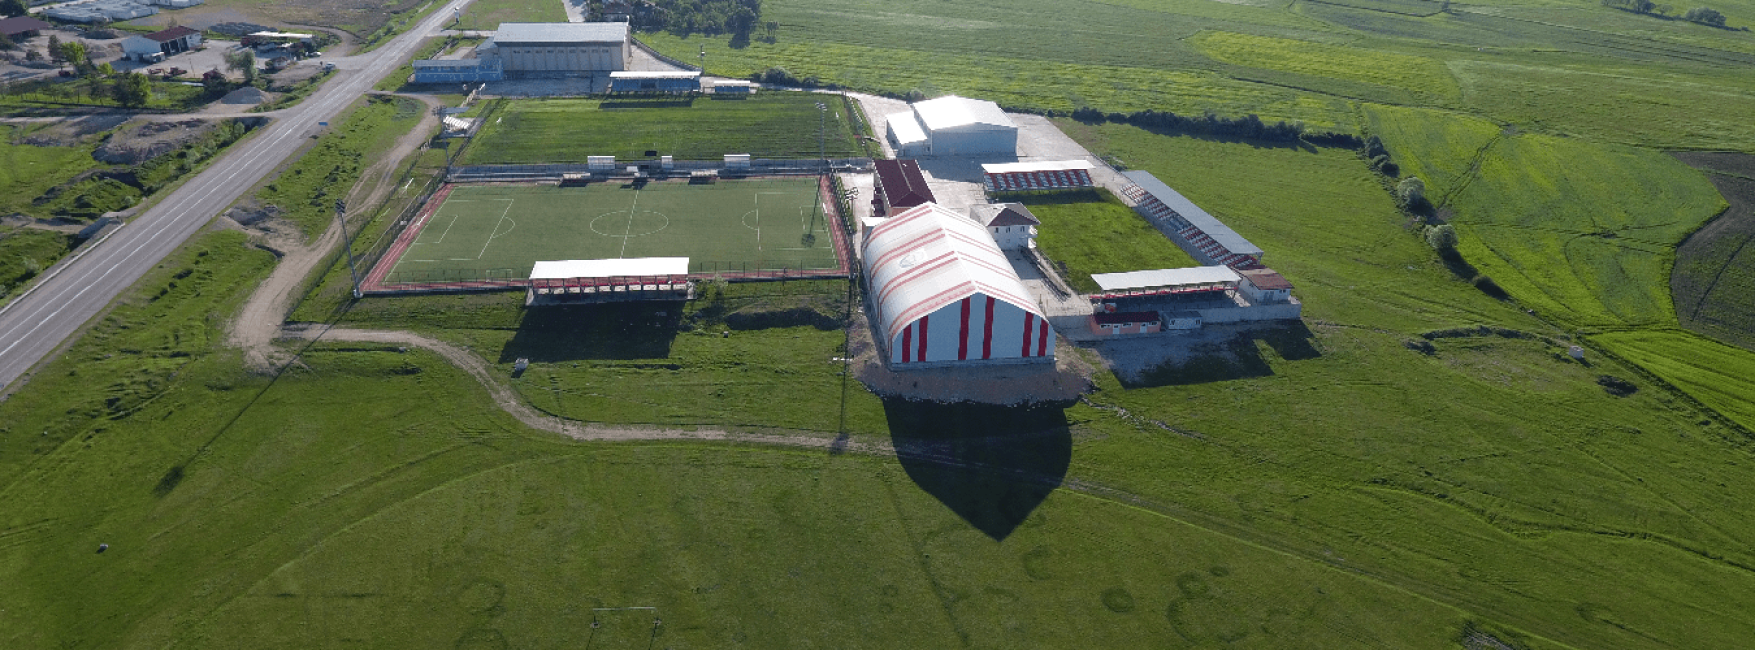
x=679, y=168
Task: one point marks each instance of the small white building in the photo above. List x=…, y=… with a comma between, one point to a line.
x=158, y=45
x=1011, y=224
x=1264, y=286
x=953, y=126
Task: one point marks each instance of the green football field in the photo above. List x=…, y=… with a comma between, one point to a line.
x=501, y=231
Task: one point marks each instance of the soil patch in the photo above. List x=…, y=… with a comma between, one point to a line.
x=144, y=141
x=1713, y=282
x=73, y=131
x=245, y=95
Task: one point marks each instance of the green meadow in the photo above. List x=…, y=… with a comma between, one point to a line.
x=767, y=125
x=1094, y=232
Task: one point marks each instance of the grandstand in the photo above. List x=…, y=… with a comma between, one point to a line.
x=1031, y=176
x=1199, y=233
x=680, y=82
x=562, y=282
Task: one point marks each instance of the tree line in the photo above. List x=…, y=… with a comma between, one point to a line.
x=1247, y=127
x=1702, y=15
x=740, y=18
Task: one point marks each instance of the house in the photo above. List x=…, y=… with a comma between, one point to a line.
x=900, y=186
x=1011, y=224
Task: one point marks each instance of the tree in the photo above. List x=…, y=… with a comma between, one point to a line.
x=55, y=54
x=74, y=52
x=132, y=90
x=6, y=43
x=11, y=8
x=1705, y=16
x=33, y=55
x=773, y=30
x=1410, y=191
x=244, y=62
x=1442, y=238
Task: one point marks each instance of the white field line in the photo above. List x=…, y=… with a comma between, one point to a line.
x=496, y=233
x=628, y=233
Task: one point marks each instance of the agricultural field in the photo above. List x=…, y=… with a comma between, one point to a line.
x=1438, y=147
x=1720, y=375
x=1094, y=232
x=1583, y=233
x=1427, y=77
x=1714, y=279
x=767, y=125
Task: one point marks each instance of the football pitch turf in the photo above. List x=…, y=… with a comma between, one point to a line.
x=501, y=231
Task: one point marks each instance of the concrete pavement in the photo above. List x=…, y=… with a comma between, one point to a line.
x=34, y=325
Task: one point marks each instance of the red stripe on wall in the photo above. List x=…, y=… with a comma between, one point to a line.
x=921, y=353
x=963, y=334
x=987, y=331
x=1042, y=339
x=907, y=344
x=1029, y=328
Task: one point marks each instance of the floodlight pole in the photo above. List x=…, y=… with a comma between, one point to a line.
x=822, y=125
x=347, y=247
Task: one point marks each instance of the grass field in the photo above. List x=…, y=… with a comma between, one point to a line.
x=306, y=192
x=1584, y=233
x=26, y=252
x=27, y=171
x=1720, y=375
x=729, y=226
x=1424, y=76
x=1439, y=147
x=1713, y=283
x=1094, y=232
x=767, y=125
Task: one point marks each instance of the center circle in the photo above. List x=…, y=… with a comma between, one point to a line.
x=616, y=224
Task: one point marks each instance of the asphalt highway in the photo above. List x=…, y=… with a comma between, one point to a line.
x=34, y=325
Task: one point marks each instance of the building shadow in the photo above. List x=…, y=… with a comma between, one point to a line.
x=991, y=465
x=648, y=102
x=1241, y=357
x=607, y=331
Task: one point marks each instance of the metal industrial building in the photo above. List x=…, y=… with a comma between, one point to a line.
x=942, y=293
x=558, y=49
x=953, y=126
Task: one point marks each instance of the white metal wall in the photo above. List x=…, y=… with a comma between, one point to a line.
x=972, y=329
x=963, y=142
x=565, y=58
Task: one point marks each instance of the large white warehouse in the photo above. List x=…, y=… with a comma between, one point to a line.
x=557, y=49
x=953, y=126
x=943, y=294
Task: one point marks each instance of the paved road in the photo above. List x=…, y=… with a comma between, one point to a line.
x=34, y=325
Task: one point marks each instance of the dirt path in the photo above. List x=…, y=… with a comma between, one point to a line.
x=258, y=323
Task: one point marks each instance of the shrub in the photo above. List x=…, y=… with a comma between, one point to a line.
x=1617, y=386
x=1705, y=16
x=1441, y=237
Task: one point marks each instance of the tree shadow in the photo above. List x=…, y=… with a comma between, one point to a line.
x=610, y=331
x=991, y=465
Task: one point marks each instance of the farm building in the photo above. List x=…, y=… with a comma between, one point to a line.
x=900, y=186
x=1011, y=224
x=18, y=28
x=558, y=49
x=953, y=126
x=457, y=71
x=1199, y=233
x=670, y=82
x=943, y=294
x=640, y=278
x=1030, y=176
x=157, y=45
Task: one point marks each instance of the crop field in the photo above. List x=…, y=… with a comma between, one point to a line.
x=1714, y=279
x=1422, y=75
x=1615, y=104
x=1439, y=147
x=500, y=231
x=767, y=125
x=1720, y=375
x=1094, y=232
x=1584, y=233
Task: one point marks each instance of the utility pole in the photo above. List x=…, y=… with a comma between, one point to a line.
x=347, y=246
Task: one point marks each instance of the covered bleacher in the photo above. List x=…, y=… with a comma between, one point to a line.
x=1191, y=282
x=1031, y=176
x=585, y=281
x=658, y=83
x=1195, y=228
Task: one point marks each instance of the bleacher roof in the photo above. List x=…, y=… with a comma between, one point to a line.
x=1045, y=166
x=953, y=112
x=1161, y=278
x=619, y=268
x=560, y=33
x=669, y=74
x=928, y=257
x=1192, y=213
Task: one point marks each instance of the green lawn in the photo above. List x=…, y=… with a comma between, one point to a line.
x=502, y=230
x=27, y=171
x=488, y=14
x=1094, y=232
x=767, y=125
x=1424, y=76
x=1584, y=233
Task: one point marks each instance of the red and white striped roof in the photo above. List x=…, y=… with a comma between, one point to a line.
x=928, y=257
